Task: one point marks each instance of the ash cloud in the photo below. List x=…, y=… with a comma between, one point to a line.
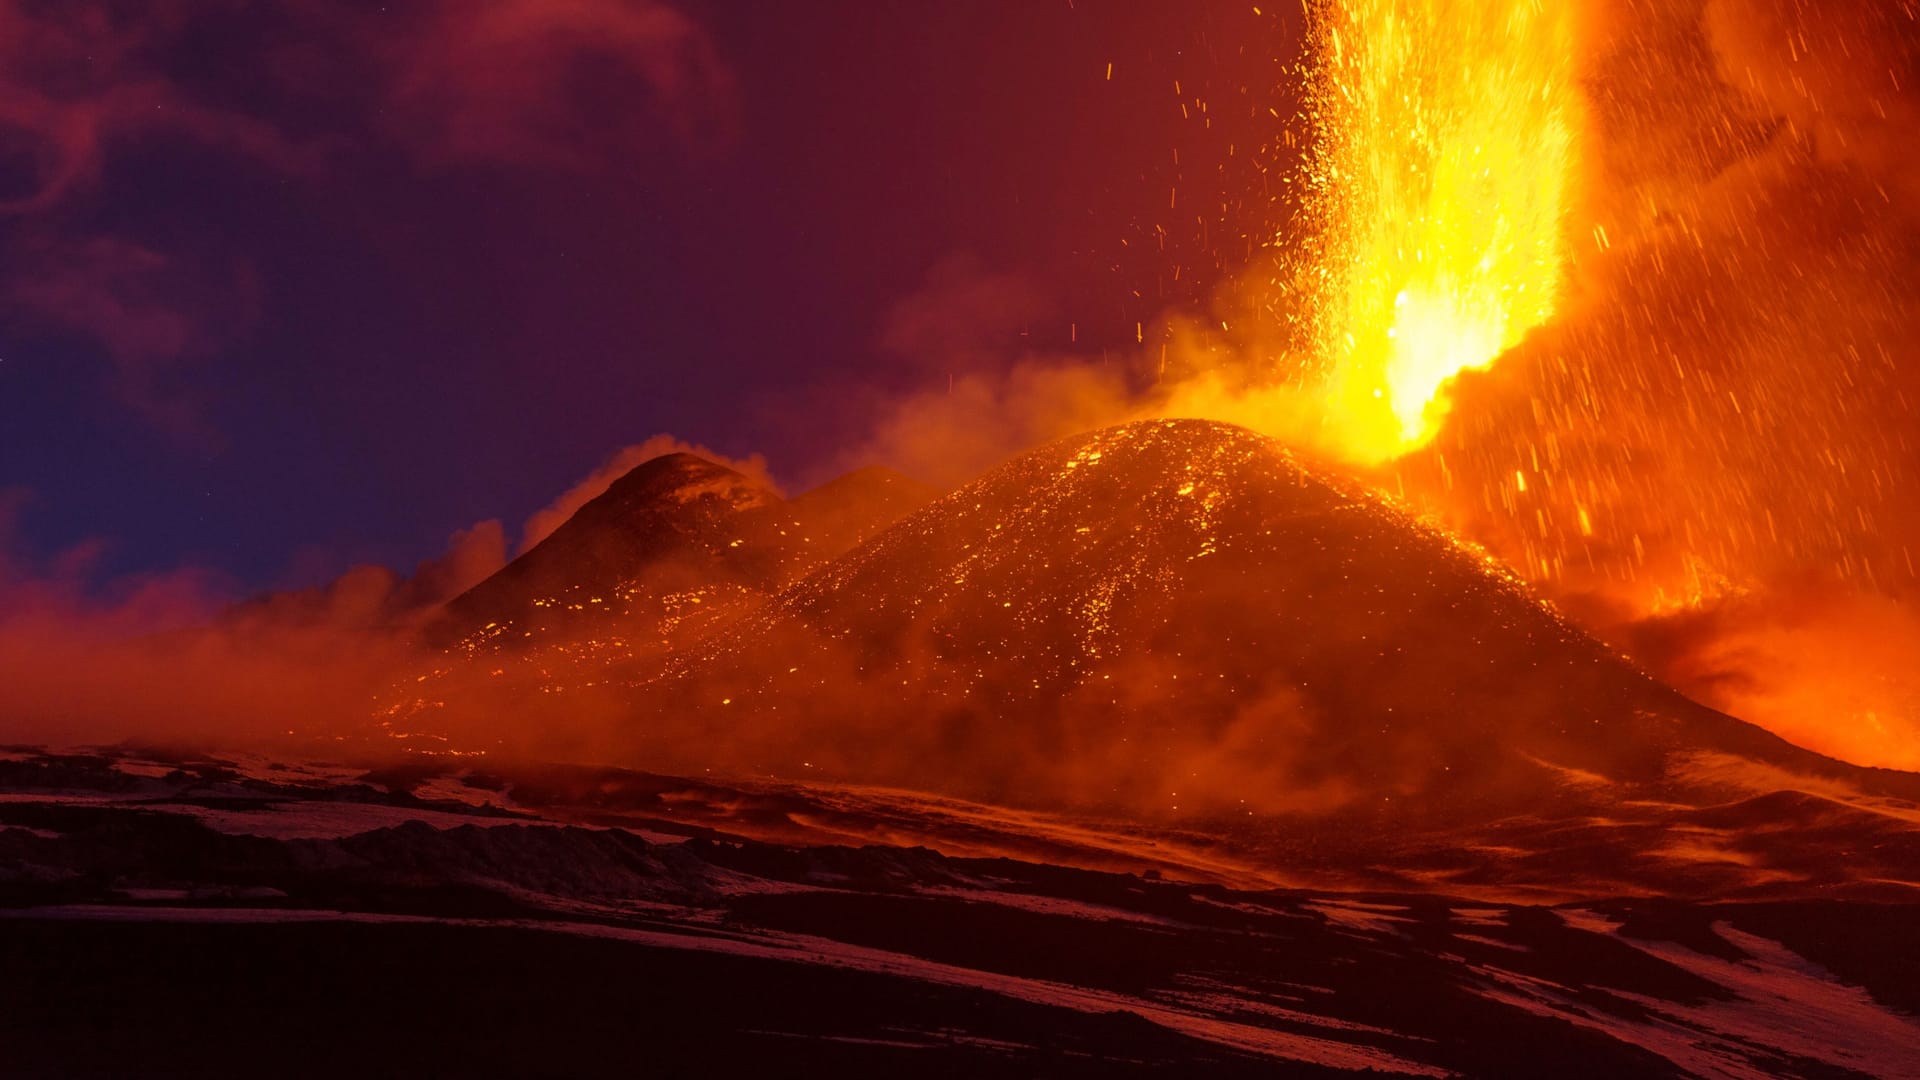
x=86, y=661
x=1832, y=671
x=979, y=374
x=950, y=433
x=1716, y=435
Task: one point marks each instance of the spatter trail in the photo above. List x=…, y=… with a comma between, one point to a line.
x=1447, y=135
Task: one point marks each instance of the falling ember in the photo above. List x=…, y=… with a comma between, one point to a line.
x=1447, y=138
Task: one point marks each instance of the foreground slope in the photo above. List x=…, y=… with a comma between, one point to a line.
x=166, y=914
x=1181, y=613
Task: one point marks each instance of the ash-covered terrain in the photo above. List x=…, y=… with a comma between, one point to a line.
x=180, y=915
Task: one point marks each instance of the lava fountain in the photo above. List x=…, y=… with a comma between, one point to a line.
x=1447, y=135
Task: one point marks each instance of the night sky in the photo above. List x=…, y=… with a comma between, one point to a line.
x=293, y=286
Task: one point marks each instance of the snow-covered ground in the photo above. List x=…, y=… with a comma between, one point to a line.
x=1404, y=983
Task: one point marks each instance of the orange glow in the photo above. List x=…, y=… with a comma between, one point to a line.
x=1447, y=137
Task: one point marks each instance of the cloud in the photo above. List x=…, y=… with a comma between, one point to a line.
x=150, y=311
x=375, y=598
x=968, y=387
x=471, y=557
x=949, y=434
x=576, y=84
x=77, y=76
x=66, y=588
x=555, y=514
x=541, y=82
x=76, y=80
x=567, y=83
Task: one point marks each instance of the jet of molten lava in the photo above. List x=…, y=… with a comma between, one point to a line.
x=1446, y=140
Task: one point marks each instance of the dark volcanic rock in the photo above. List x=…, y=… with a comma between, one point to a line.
x=668, y=546
x=677, y=523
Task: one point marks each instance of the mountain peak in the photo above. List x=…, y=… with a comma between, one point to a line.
x=683, y=478
x=675, y=534
x=671, y=523
x=1184, y=613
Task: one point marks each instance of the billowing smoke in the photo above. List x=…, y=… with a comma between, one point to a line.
x=1826, y=669
x=1717, y=434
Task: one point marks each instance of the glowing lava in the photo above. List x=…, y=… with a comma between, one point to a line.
x=1447, y=136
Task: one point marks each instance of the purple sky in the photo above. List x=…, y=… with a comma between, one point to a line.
x=290, y=286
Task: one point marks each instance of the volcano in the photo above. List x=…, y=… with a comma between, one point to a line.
x=672, y=549
x=1167, y=752
x=1171, y=623
x=1185, y=619
x=676, y=540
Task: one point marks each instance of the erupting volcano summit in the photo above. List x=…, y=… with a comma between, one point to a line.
x=1404, y=558
x=1182, y=618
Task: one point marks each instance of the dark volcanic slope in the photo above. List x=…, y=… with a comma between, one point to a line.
x=175, y=914
x=1182, y=614
x=677, y=524
x=846, y=511
x=675, y=539
x=676, y=547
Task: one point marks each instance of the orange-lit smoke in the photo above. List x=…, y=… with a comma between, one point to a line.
x=167, y=657
x=1619, y=291
x=1622, y=292
x=1715, y=428
x=1826, y=669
